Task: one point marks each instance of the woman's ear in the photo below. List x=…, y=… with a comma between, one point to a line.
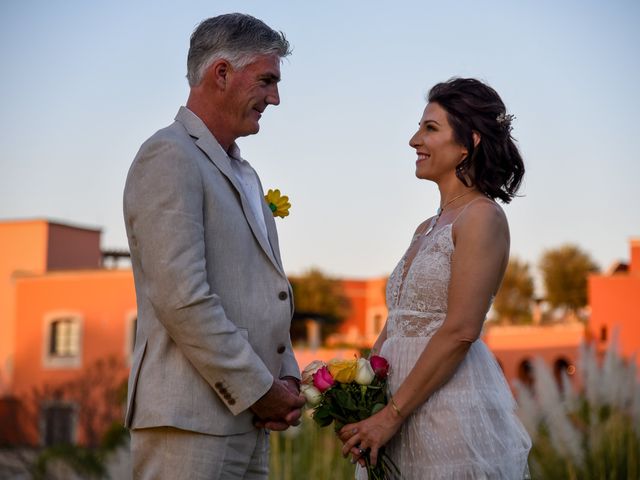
x=476, y=138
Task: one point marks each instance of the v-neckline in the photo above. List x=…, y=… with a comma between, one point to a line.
x=405, y=266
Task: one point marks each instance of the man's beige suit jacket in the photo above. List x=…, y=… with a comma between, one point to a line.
x=214, y=303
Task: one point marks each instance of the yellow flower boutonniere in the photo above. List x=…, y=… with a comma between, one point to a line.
x=279, y=204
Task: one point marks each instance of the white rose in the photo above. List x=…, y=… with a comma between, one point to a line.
x=364, y=375
x=312, y=394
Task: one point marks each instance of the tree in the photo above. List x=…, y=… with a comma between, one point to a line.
x=318, y=296
x=97, y=396
x=565, y=271
x=513, y=301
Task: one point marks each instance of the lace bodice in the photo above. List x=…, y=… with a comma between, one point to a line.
x=417, y=290
x=467, y=429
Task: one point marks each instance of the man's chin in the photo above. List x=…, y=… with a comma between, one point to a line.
x=252, y=130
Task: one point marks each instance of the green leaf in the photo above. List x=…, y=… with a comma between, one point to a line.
x=345, y=400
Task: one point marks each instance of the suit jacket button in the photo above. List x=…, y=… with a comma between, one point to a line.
x=283, y=295
x=218, y=385
x=231, y=402
x=281, y=349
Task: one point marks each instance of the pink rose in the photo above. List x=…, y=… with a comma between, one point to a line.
x=380, y=366
x=313, y=367
x=322, y=379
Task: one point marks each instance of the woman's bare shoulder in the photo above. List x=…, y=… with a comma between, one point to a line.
x=483, y=219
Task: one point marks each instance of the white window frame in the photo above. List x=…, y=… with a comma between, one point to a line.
x=50, y=360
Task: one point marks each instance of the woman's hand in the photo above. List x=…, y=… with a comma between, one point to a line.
x=370, y=434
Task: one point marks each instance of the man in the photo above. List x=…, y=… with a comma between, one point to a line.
x=213, y=361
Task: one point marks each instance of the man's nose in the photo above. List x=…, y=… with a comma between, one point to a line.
x=273, y=97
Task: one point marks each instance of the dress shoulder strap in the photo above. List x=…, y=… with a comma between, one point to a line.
x=467, y=206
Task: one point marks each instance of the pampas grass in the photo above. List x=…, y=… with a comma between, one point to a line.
x=593, y=433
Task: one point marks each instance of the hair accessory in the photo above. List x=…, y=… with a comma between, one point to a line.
x=504, y=120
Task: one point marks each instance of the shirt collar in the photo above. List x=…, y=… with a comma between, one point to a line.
x=234, y=153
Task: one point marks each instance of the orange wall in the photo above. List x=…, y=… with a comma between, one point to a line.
x=512, y=345
x=23, y=247
x=356, y=291
x=105, y=302
x=615, y=305
x=367, y=299
x=103, y=298
x=634, y=266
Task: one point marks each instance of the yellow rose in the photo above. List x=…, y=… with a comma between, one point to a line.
x=343, y=371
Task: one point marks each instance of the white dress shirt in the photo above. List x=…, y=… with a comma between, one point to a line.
x=248, y=180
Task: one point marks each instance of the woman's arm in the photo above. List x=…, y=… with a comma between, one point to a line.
x=479, y=260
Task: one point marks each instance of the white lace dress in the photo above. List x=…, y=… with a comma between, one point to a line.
x=467, y=429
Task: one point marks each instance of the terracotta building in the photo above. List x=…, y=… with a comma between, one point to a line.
x=67, y=332
x=614, y=298
x=515, y=347
x=67, y=328
x=367, y=314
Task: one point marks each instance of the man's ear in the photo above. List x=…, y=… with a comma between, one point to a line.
x=218, y=73
x=476, y=138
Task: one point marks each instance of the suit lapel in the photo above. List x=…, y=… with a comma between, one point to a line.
x=209, y=145
x=271, y=228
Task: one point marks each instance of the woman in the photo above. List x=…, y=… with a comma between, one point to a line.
x=451, y=413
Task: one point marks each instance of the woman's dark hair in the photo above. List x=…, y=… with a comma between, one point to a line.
x=495, y=166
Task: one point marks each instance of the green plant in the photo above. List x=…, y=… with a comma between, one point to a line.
x=308, y=452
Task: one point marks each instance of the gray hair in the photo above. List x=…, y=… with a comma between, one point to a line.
x=235, y=37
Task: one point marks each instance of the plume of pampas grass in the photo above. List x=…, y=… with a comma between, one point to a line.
x=589, y=433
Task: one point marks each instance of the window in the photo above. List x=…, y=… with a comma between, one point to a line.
x=561, y=367
x=525, y=372
x=58, y=424
x=63, y=340
x=603, y=334
x=378, y=323
x=374, y=323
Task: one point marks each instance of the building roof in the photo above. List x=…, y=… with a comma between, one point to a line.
x=50, y=222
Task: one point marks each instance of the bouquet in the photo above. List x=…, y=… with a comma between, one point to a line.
x=347, y=391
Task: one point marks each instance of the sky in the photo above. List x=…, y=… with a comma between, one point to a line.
x=83, y=84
